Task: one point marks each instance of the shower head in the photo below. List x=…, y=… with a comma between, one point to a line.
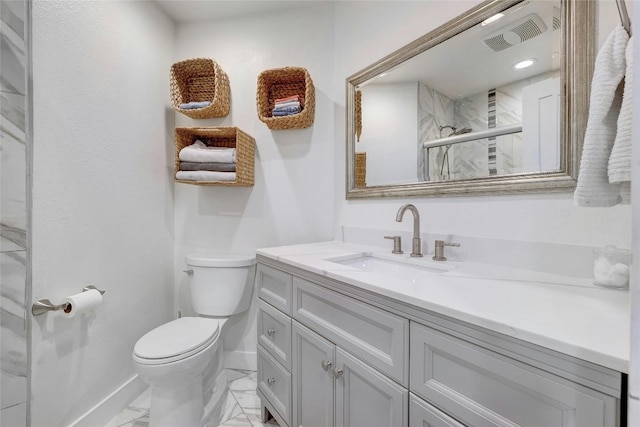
x=460, y=131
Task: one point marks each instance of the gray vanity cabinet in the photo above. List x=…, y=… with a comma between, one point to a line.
x=344, y=364
x=313, y=378
x=375, y=336
x=273, y=288
x=482, y=388
x=422, y=414
x=334, y=388
x=330, y=354
x=365, y=397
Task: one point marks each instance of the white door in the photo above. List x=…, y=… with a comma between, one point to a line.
x=313, y=384
x=541, y=126
x=365, y=397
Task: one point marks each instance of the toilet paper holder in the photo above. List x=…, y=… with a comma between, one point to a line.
x=44, y=305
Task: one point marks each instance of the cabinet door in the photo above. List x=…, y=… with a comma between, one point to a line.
x=421, y=414
x=312, y=378
x=482, y=388
x=376, y=336
x=365, y=397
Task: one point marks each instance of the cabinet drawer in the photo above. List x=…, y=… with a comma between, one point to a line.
x=421, y=414
x=275, y=384
x=482, y=388
x=376, y=336
x=274, y=333
x=274, y=286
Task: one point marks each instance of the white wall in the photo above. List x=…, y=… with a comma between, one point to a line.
x=292, y=200
x=102, y=194
x=366, y=35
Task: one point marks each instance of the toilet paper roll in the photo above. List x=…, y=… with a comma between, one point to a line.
x=81, y=303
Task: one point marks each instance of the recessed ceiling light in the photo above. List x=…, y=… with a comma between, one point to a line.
x=524, y=64
x=493, y=18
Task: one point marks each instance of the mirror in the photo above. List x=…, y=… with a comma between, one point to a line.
x=458, y=112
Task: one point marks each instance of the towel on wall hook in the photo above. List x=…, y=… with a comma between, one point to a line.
x=620, y=160
x=624, y=16
x=593, y=188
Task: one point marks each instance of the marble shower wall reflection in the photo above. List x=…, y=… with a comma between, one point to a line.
x=470, y=159
x=434, y=110
x=13, y=214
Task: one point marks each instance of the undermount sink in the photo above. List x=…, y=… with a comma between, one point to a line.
x=397, y=269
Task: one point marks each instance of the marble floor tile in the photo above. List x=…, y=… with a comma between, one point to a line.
x=235, y=374
x=247, y=399
x=239, y=421
x=231, y=411
x=242, y=409
x=245, y=383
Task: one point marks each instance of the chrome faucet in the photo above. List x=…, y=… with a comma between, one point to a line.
x=439, y=249
x=416, y=245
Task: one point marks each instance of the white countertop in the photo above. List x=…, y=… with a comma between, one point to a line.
x=566, y=314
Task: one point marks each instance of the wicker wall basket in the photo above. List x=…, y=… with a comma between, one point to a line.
x=199, y=80
x=361, y=170
x=230, y=137
x=281, y=83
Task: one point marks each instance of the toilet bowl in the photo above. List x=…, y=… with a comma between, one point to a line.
x=182, y=359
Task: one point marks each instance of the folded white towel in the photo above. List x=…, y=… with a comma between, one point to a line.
x=199, y=152
x=620, y=160
x=593, y=187
x=206, y=176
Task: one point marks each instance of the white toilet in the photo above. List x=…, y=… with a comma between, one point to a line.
x=182, y=360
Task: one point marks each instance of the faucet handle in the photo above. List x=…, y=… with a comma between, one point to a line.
x=439, y=249
x=397, y=244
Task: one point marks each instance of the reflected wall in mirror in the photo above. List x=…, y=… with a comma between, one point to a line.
x=494, y=101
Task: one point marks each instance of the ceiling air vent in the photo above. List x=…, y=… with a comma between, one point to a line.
x=513, y=34
x=556, y=18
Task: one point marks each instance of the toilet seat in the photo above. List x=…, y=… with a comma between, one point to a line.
x=176, y=340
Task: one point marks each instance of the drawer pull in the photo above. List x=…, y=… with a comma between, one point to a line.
x=337, y=373
x=270, y=381
x=271, y=332
x=326, y=365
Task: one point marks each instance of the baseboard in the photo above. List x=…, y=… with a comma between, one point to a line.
x=112, y=405
x=246, y=360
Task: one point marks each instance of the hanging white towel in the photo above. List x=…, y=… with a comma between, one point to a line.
x=199, y=152
x=593, y=187
x=620, y=160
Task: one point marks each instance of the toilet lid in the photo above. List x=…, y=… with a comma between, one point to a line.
x=220, y=260
x=182, y=336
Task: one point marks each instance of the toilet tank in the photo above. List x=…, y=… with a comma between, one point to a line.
x=221, y=284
